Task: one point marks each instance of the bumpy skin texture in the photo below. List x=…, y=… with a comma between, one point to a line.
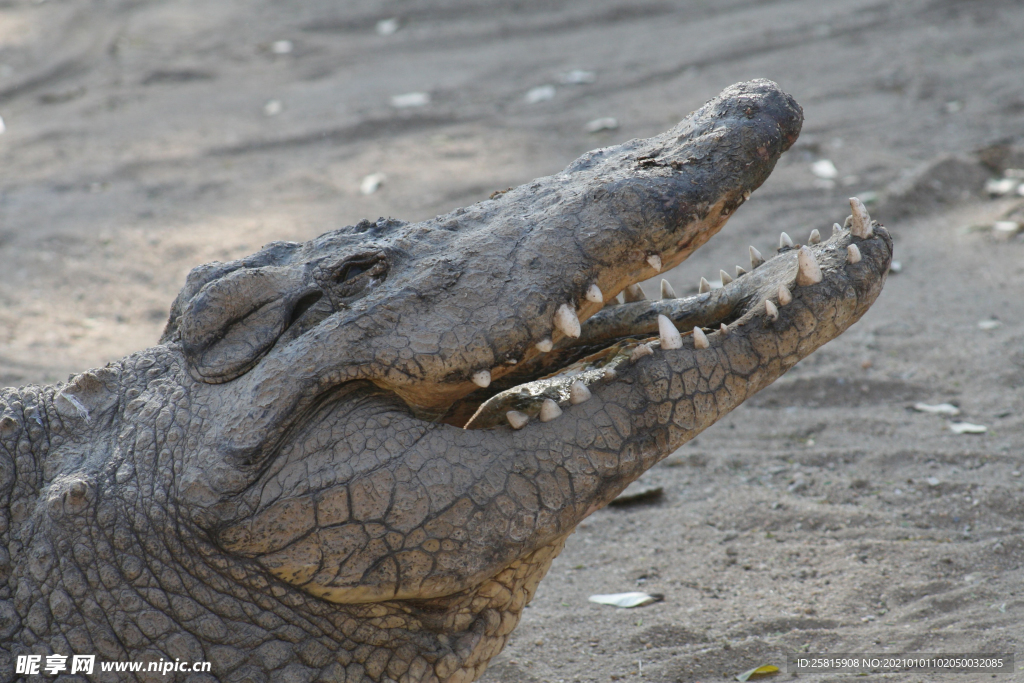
x=271, y=489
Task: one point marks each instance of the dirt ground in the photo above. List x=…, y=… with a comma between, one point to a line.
x=824, y=515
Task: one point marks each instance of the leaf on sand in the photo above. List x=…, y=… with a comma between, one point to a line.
x=764, y=670
x=967, y=428
x=637, y=495
x=939, y=409
x=627, y=599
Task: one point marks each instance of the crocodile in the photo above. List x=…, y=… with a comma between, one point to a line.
x=355, y=458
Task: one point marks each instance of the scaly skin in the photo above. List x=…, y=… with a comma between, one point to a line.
x=271, y=489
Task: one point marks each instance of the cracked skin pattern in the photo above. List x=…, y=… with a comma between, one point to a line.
x=270, y=488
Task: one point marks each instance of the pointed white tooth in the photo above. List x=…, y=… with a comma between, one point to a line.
x=771, y=310
x=655, y=262
x=609, y=374
x=836, y=229
x=726, y=278
x=549, y=410
x=784, y=295
x=815, y=237
x=566, y=321
x=640, y=351
x=861, y=226
x=808, y=273
x=785, y=241
x=755, y=258
x=666, y=290
x=545, y=345
x=578, y=393
x=633, y=293
x=848, y=223
x=740, y=271
x=723, y=328
x=517, y=419
x=594, y=294
x=482, y=378
x=853, y=254
x=700, y=340
x=704, y=286
x=670, y=337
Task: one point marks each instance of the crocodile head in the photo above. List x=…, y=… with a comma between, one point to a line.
x=392, y=428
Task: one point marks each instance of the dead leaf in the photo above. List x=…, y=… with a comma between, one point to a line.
x=763, y=670
x=627, y=600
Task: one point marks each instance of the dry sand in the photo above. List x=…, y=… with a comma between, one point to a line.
x=824, y=515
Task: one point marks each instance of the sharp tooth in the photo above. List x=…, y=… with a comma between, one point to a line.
x=578, y=393
x=784, y=296
x=723, y=328
x=785, y=241
x=566, y=321
x=861, y=226
x=640, y=351
x=815, y=237
x=755, y=258
x=545, y=345
x=482, y=378
x=594, y=294
x=517, y=419
x=670, y=337
x=809, y=273
x=549, y=410
x=848, y=223
x=771, y=310
x=655, y=262
x=726, y=278
x=666, y=290
x=853, y=254
x=836, y=229
x=704, y=286
x=633, y=293
x=700, y=340
x=609, y=374
x=740, y=271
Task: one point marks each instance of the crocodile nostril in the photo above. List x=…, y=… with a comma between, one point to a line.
x=304, y=304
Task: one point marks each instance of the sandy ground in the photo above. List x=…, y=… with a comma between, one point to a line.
x=824, y=515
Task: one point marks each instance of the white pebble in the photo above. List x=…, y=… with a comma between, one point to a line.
x=273, y=108
x=542, y=93
x=825, y=169
x=410, y=99
x=387, y=27
x=372, y=183
x=606, y=123
x=578, y=77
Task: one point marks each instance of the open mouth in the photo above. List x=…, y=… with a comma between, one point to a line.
x=624, y=331
x=502, y=322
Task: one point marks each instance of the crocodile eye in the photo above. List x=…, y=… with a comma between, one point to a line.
x=351, y=273
x=350, y=277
